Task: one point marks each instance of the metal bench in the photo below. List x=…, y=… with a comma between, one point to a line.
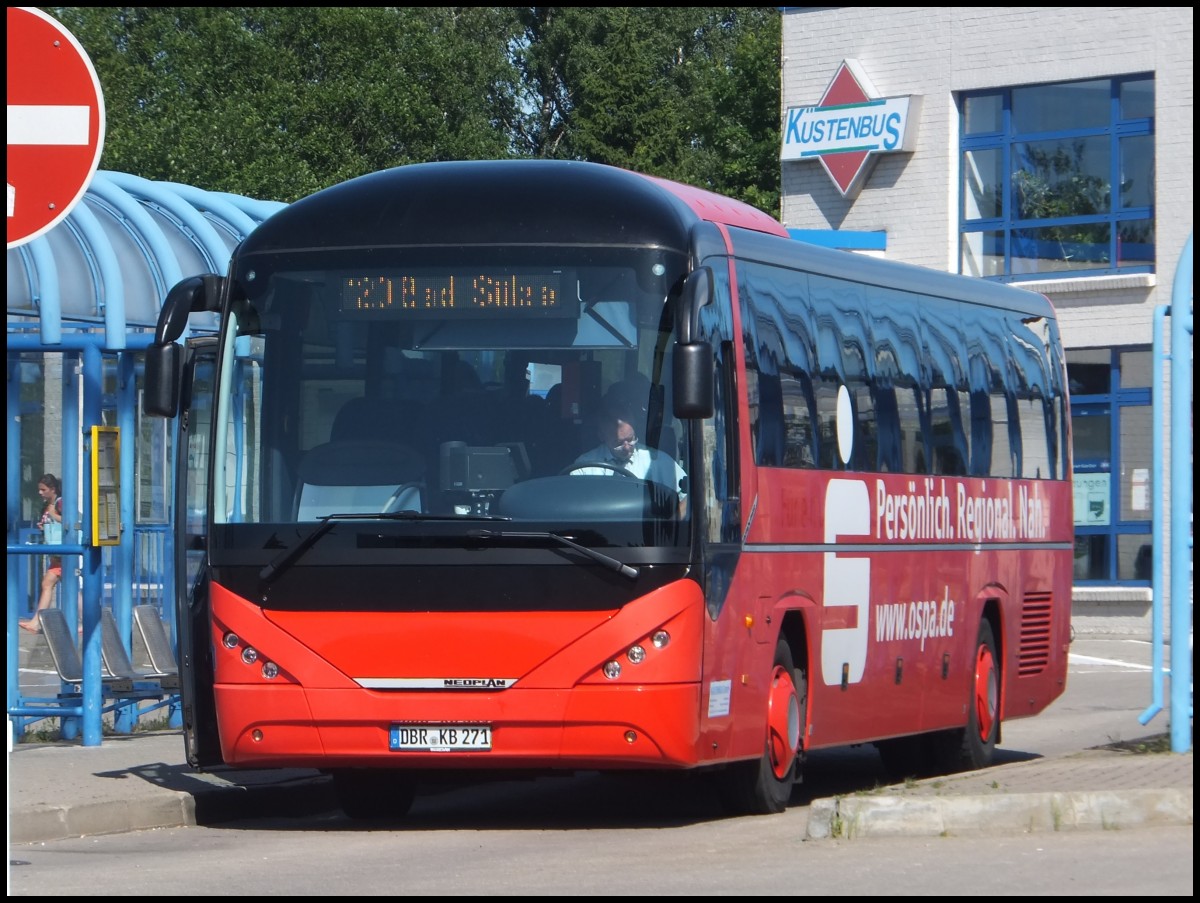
x=157, y=641
x=65, y=654
x=116, y=659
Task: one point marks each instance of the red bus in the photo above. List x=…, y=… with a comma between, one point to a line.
x=408, y=558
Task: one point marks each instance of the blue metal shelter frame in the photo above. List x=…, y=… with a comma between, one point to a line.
x=90, y=290
x=1174, y=348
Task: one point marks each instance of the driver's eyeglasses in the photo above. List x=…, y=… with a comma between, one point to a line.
x=631, y=443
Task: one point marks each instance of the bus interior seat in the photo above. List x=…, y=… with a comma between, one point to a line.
x=667, y=442
x=375, y=418
x=475, y=418
x=358, y=477
x=949, y=461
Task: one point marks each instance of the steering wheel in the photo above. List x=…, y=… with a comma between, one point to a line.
x=603, y=465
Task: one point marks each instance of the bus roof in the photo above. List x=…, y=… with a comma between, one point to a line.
x=892, y=274
x=502, y=202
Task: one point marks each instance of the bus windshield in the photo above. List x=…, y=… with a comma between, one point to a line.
x=530, y=385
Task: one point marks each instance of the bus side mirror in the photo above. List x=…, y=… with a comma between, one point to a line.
x=692, y=366
x=160, y=396
x=692, y=371
x=164, y=357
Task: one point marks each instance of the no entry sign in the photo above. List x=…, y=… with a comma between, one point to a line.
x=55, y=123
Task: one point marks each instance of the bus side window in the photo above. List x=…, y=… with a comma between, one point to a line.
x=768, y=422
x=800, y=418
x=887, y=414
x=825, y=390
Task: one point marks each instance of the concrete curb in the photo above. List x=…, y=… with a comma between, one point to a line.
x=164, y=808
x=850, y=818
x=44, y=823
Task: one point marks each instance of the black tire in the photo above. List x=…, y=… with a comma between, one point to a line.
x=367, y=794
x=972, y=747
x=764, y=787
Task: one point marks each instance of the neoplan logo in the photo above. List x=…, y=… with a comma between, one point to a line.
x=476, y=683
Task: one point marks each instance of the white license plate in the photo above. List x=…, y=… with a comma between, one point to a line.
x=440, y=737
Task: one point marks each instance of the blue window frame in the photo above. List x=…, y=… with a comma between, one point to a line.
x=1058, y=179
x=1111, y=439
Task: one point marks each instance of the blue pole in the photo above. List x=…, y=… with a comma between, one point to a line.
x=1156, y=521
x=1181, y=504
x=122, y=560
x=15, y=607
x=125, y=567
x=92, y=572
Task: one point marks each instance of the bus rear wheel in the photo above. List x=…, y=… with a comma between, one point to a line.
x=972, y=747
x=763, y=787
x=371, y=794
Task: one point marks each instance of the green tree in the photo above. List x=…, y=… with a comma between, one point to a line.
x=280, y=102
x=687, y=93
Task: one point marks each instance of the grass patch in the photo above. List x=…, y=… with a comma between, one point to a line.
x=43, y=733
x=1156, y=743
x=49, y=730
x=837, y=826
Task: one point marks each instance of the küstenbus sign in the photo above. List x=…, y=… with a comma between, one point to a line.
x=849, y=127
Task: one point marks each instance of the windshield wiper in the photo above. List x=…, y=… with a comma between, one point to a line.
x=599, y=557
x=289, y=556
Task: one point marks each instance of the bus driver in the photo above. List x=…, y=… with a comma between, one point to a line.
x=620, y=451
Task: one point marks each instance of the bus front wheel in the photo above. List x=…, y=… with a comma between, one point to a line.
x=763, y=787
x=371, y=794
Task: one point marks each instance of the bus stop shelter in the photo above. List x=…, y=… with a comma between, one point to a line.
x=83, y=300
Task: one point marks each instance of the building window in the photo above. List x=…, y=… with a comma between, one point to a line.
x=1111, y=438
x=1058, y=180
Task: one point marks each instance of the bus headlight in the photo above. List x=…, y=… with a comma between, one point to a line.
x=636, y=654
x=612, y=670
x=660, y=639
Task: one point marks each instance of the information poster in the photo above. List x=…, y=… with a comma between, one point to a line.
x=1092, y=500
x=106, y=485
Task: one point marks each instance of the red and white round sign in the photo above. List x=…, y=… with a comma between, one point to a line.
x=55, y=123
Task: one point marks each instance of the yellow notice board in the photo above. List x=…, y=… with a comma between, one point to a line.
x=106, y=485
